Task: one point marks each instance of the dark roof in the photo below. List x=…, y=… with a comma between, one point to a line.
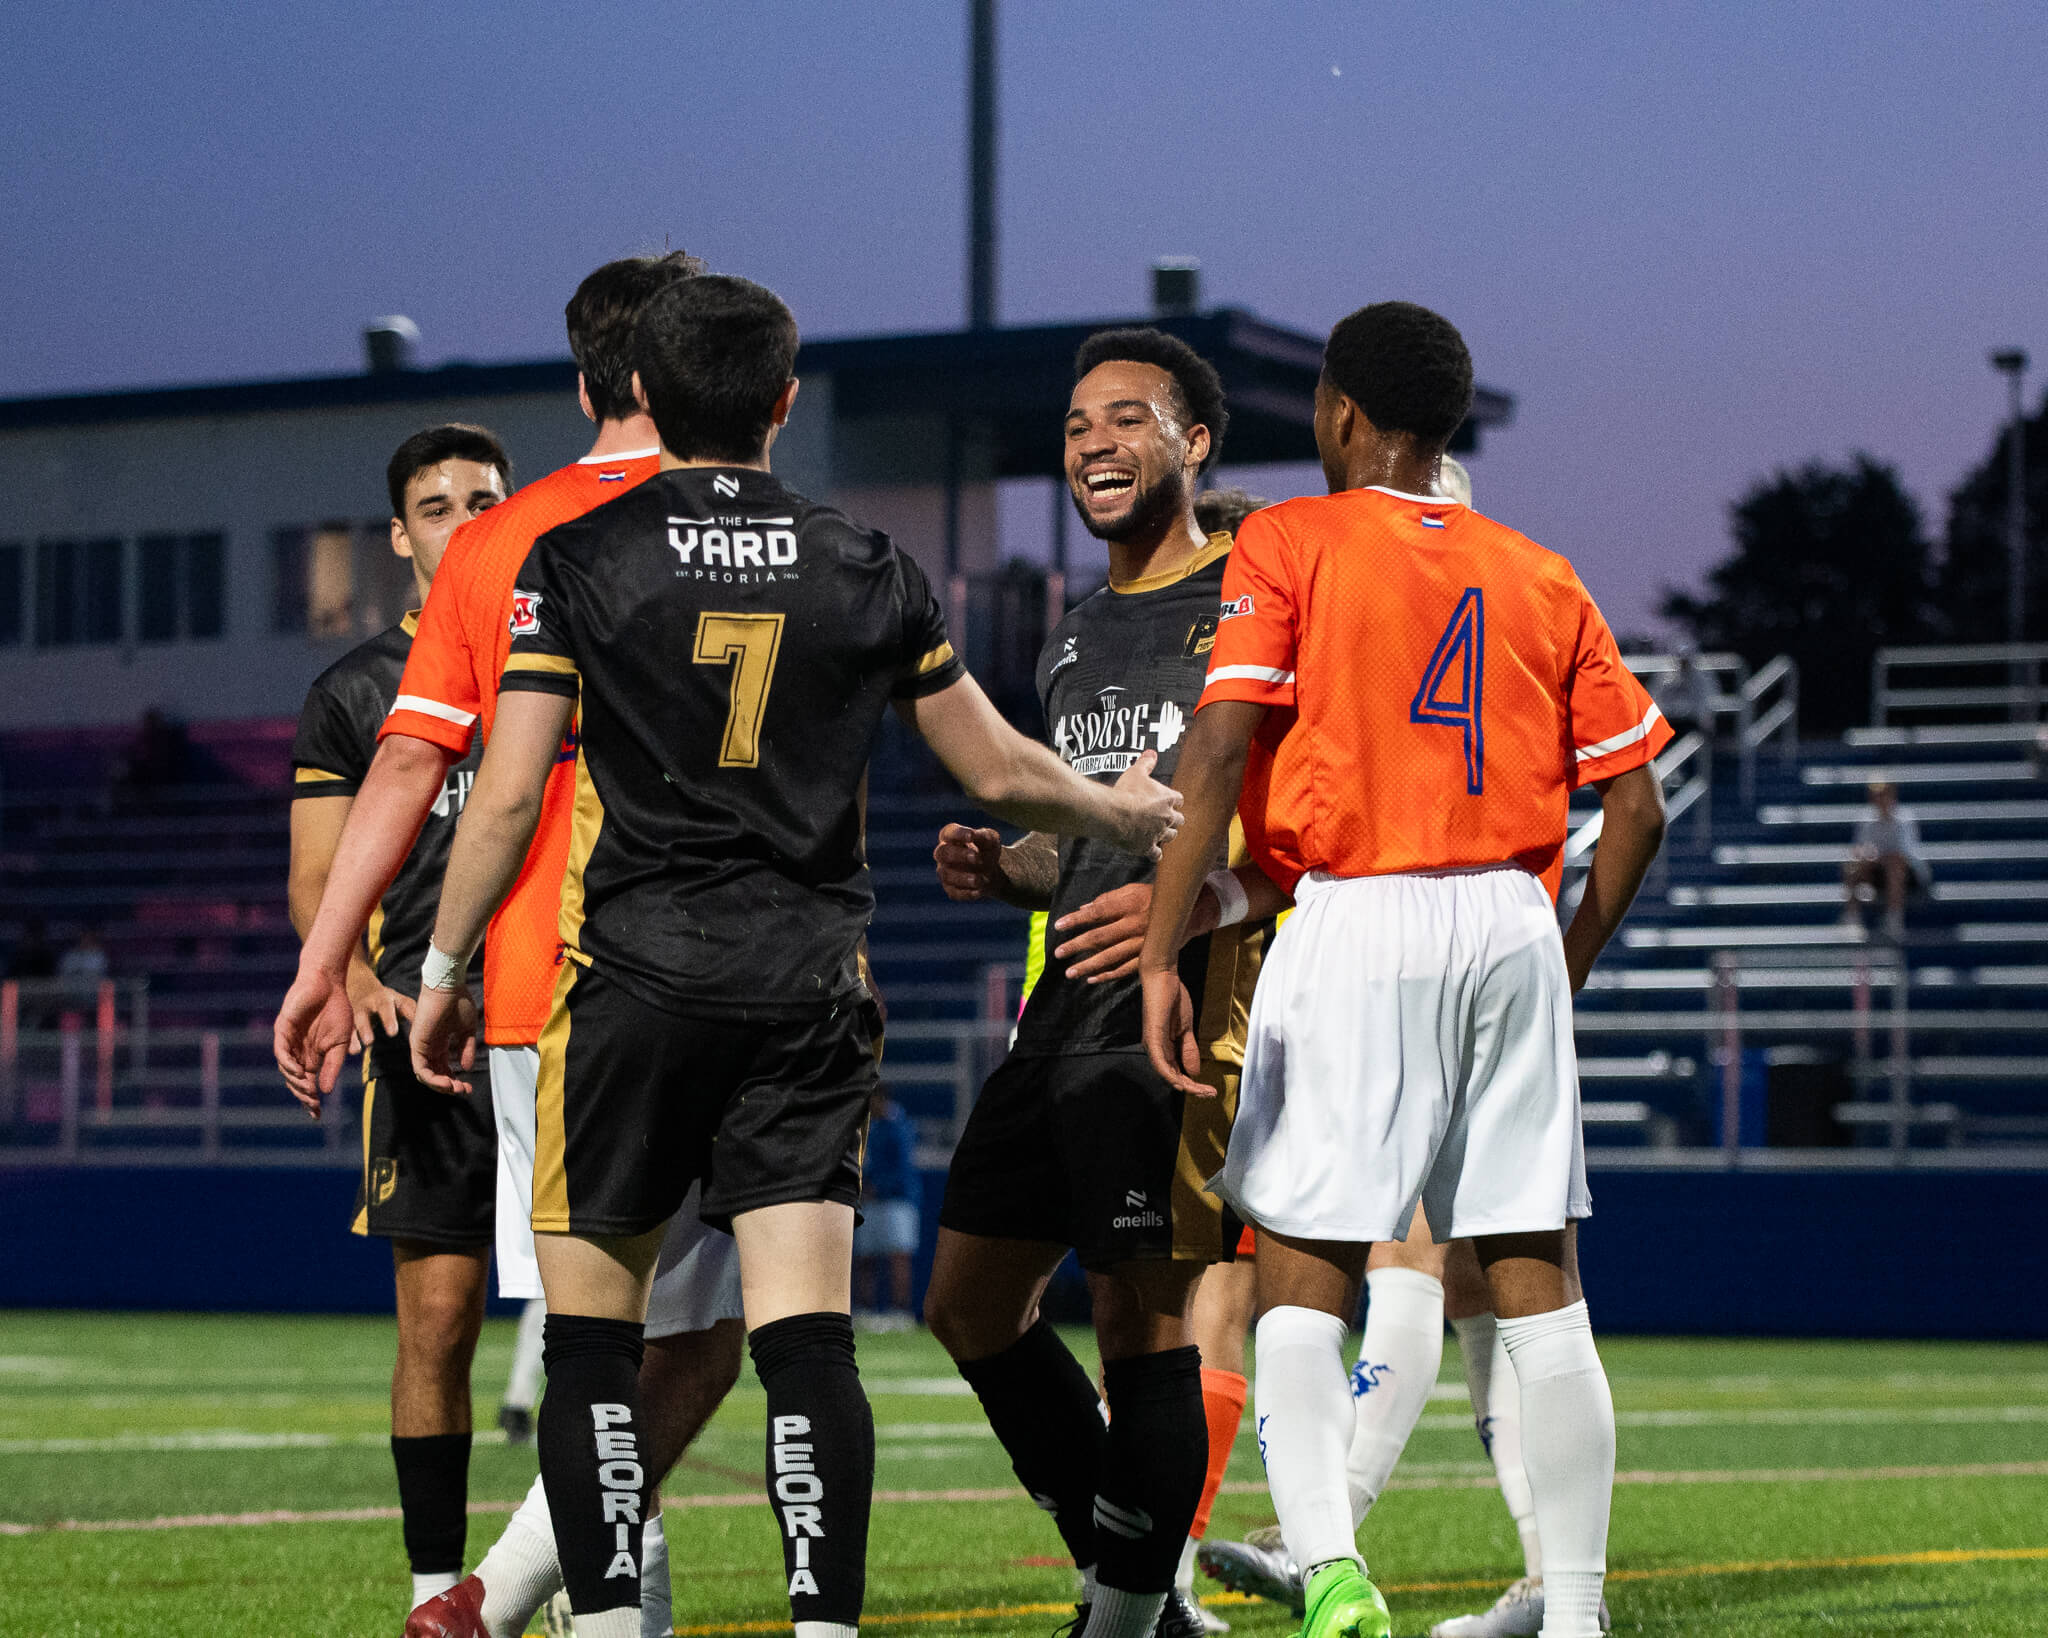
x=1003, y=378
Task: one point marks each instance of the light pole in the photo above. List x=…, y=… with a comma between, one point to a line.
x=2011, y=362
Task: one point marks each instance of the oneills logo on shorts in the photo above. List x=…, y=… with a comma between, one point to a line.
x=525, y=613
x=1140, y=1214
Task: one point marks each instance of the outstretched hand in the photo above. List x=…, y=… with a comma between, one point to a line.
x=1170, y=1033
x=1151, y=812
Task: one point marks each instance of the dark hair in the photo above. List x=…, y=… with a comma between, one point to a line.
x=1405, y=366
x=451, y=441
x=1195, y=380
x=714, y=353
x=1223, y=511
x=602, y=315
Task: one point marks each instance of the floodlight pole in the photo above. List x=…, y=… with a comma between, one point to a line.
x=981, y=167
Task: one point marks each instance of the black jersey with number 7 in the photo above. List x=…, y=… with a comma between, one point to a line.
x=733, y=646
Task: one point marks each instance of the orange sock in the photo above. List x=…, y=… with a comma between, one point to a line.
x=1223, y=1404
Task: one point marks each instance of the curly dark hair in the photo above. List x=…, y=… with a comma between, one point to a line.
x=1195, y=381
x=1405, y=366
x=602, y=316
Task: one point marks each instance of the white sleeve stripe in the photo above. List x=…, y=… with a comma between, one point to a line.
x=1623, y=740
x=1249, y=673
x=433, y=708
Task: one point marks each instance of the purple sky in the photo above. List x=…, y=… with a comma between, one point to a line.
x=1696, y=242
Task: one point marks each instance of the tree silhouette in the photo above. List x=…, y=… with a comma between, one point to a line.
x=1830, y=564
x=1970, y=584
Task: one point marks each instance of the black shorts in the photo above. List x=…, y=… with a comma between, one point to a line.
x=635, y=1103
x=1096, y=1152
x=430, y=1159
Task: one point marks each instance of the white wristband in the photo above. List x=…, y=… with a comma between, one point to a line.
x=1231, y=902
x=441, y=971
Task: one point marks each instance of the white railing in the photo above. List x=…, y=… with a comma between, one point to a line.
x=1757, y=723
x=1686, y=771
x=1751, y=709
x=2019, y=695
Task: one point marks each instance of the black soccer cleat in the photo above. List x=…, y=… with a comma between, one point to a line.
x=517, y=1421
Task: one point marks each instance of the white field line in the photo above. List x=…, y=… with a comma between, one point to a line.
x=748, y=1498
x=974, y=1432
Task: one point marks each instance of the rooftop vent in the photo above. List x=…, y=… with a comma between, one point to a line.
x=389, y=344
x=1176, y=286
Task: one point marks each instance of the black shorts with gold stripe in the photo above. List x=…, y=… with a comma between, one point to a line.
x=430, y=1159
x=1095, y=1151
x=636, y=1102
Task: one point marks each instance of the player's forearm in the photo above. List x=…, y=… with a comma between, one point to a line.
x=1034, y=788
x=1263, y=896
x=1210, y=775
x=383, y=822
x=490, y=846
x=1030, y=872
x=1631, y=832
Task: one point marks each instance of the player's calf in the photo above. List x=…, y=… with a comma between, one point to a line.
x=598, y=1483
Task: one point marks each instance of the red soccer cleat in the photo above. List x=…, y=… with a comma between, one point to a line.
x=456, y=1613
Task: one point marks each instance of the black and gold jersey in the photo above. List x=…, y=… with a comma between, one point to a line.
x=1119, y=676
x=331, y=752
x=734, y=646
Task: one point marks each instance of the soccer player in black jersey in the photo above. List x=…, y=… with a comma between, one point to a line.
x=1075, y=1142
x=429, y=1162
x=732, y=646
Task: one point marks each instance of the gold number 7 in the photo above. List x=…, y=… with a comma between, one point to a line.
x=753, y=640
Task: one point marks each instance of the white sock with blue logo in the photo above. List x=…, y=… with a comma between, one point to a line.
x=1304, y=1414
x=1397, y=1366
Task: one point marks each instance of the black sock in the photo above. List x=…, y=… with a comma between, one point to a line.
x=821, y=1461
x=589, y=1439
x=1045, y=1411
x=433, y=1497
x=1153, y=1469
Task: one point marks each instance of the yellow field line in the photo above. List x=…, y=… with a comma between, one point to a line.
x=1673, y=1572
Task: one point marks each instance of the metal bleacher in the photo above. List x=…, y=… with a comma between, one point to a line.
x=1735, y=1014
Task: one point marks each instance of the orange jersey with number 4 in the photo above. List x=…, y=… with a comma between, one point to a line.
x=1440, y=684
x=450, y=689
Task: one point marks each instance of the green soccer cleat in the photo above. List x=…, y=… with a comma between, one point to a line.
x=1342, y=1603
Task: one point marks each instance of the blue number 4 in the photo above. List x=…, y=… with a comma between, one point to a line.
x=1451, y=687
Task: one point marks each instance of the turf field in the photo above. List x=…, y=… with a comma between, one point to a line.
x=210, y=1477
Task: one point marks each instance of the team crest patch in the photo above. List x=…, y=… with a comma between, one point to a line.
x=1201, y=637
x=383, y=1180
x=525, y=613
x=1237, y=606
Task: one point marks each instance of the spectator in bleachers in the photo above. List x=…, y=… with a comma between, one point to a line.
x=1688, y=698
x=1885, y=856
x=81, y=969
x=892, y=1211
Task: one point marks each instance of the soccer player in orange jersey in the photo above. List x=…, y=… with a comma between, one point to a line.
x=449, y=692
x=1402, y=697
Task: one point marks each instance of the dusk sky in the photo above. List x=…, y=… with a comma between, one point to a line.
x=1695, y=242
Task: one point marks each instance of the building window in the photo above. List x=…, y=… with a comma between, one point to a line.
x=78, y=592
x=337, y=579
x=11, y=599
x=181, y=587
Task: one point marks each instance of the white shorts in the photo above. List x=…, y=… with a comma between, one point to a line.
x=696, y=1282
x=1411, y=1040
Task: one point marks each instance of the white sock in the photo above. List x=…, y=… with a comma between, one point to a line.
x=1497, y=1414
x=1119, y=1614
x=657, y=1611
x=522, y=1387
x=1184, y=1573
x=521, y=1572
x=1302, y=1401
x=1087, y=1575
x=1397, y=1366
x=619, y=1623
x=809, y=1629
x=1568, y=1447
x=425, y=1587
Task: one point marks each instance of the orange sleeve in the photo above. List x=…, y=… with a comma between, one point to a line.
x=1615, y=725
x=1256, y=636
x=437, y=697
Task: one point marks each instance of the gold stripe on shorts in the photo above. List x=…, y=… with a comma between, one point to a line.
x=550, y=1134
x=1204, y=1135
